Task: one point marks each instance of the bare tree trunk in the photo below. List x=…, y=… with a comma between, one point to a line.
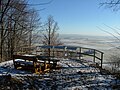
x=1, y=46
x=50, y=37
x=15, y=25
x=3, y=10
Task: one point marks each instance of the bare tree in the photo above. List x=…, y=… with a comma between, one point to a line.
x=17, y=21
x=19, y=25
x=3, y=8
x=114, y=4
x=50, y=35
x=114, y=57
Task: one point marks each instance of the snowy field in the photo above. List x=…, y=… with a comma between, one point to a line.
x=73, y=75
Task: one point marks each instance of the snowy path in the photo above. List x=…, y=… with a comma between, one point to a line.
x=74, y=75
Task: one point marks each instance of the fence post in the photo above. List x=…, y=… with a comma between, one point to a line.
x=94, y=56
x=53, y=51
x=64, y=52
x=80, y=53
x=101, y=59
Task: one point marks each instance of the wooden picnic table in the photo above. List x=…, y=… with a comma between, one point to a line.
x=48, y=60
x=34, y=62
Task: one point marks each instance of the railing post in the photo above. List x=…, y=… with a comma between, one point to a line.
x=53, y=51
x=101, y=59
x=80, y=53
x=94, y=56
x=65, y=51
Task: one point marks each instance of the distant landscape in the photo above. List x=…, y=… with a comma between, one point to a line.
x=106, y=44
x=96, y=42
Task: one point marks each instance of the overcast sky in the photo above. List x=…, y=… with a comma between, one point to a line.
x=79, y=16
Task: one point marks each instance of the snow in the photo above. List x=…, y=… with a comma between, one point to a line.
x=8, y=67
x=29, y=55
x=23, y=62
x=74, y=75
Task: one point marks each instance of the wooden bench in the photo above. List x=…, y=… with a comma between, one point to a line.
x=24, y=62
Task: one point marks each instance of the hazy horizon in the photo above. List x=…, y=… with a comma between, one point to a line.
x=95, y=42
x=85, y=35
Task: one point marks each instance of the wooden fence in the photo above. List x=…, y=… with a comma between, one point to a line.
x=70, y=52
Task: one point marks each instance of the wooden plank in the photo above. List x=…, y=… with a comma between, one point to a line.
x=30, y=58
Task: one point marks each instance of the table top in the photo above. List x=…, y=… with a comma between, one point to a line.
x=38, y=57
x=47, y=58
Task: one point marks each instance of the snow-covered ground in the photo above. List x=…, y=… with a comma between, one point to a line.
x=73, y=75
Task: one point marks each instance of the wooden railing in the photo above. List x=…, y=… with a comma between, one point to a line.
x=71, y=52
